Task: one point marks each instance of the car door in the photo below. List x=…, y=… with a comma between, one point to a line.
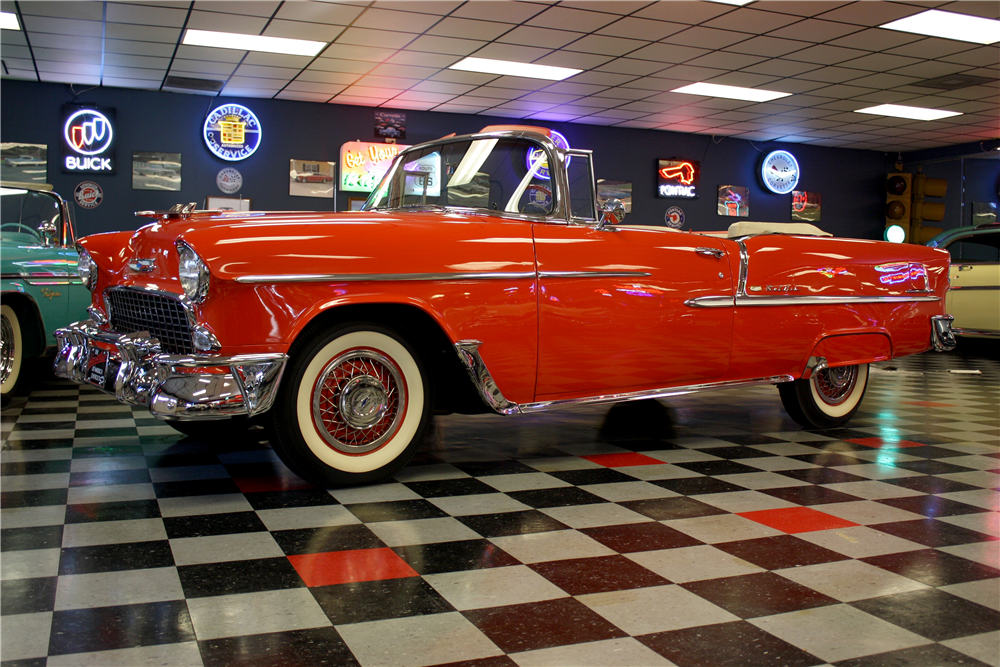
x=975, y=283
x=612, y=312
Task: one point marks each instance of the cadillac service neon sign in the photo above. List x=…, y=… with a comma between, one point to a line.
x=232, y=132
x=88, y=140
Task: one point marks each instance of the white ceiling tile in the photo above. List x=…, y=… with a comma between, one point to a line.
x=880, y=62
x=531, y=36
x=13, y=38
x=331, y=78
x=245, y=25
x=353, y=100
x=319, y=12
x=416, y=58
x=691, y=13
x=387, y=82
x=370, y=91
x=584, y=61
x=349, y=52
x=253, y=82
x=422, y=96
x=45, y=40
x=317, y=32
x=216, y=70
x=501, y=11
x=447, y=45
x=519, y=83
x=236, y=91
x=13, y=64
x=210, y=55
x=301, y=95
x=780, y=67
x=985, y=56
x=477, y=101
x=815, y=30
x=397, y=103
x=384, y=19
x=668, y=53
x=496, y=93
x=69, y=77
x=459, y=108
x=833, y=74
x=602, y=78
x=128, y=46
x=62, y=26
x=631, y=66
x=871, y=13
x=723, y=60
x=564, y=18
x=468, y=28
x=383, y=38
x=570, y=87
x=134, y=73
x=929, y=69
x=65, y=55
x=825, y=55
x=439, y=8
x=263, y=72
x=876, y=39
x=748, y=80
x=276, y=60
x=443, y=87
x=644, y=107
x=552, y=116
x=82, y=68
x=883, y=81
x=127, y=82
x=121, y=12
x=263, y=8
x=691, y=73
x=771, y=47
x=471, y=78
x=87, y=11
x=655, y=83
x=504, y=113
x=706, y=38
x=749, y=20
x=512, y=52
x=550, y=97
x=606, y=46
x=639, y=28
x=11, y=52
x=405, y=71
x=147, y=62
x=128, y=31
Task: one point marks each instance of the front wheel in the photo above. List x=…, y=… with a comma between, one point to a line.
x=828, y=399
x=11, y=354
x=352, y=406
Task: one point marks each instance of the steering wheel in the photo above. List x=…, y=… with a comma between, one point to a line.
x=533, y=207
x=18, y=228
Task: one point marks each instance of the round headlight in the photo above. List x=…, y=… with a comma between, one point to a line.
x=193, y=273
x=87, y=268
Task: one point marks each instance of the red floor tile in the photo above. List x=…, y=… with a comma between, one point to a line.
x=797, y=519
x=342, y=567
x=271, y=483
x=885, y=443
x=623, y=460
x=929, y=404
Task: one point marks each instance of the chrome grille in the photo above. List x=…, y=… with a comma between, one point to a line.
x=163, y=316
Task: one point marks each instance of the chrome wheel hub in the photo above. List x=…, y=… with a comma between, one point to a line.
x=6, y=348
x=359, y=401
x=834, y=385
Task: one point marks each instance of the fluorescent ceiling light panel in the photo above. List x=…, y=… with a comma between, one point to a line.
x=238, y=42
x=733, y=2
x=510, y=68
x=950, y=25
x=730, y=92
x=8, y=21
x=913, y=113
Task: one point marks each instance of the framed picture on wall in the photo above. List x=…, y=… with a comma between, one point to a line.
x=227, y=204
x=734, y=200
x=156, y=171
x=806, y=206
x=621, y=190
x=311, y=178
x=355, y=203
x=24, y=163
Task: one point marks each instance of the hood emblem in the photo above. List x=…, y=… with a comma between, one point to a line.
x=142, y=265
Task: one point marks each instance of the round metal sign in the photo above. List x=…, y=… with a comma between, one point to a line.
x=780, y=172
x=674, y=217
x=88, y=194
x=536, y=154
x=229, y=180
x=232, y=132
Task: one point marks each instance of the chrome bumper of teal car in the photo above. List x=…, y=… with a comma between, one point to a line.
x=174, y=386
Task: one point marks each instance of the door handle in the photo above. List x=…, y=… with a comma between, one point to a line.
x=965, y=267
x=713, y=252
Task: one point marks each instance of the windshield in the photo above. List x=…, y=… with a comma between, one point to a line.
x=509, y=174
x=22, y=212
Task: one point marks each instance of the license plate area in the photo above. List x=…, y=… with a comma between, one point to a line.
x=102, y=371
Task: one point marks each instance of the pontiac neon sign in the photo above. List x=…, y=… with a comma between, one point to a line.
x=678, y=178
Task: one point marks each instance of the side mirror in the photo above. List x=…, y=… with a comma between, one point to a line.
x=612, y=213
x=48, y=231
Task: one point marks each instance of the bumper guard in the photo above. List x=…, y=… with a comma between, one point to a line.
x=942, y=337
x=174, y=386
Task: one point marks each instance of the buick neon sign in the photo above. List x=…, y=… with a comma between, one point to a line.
x=678, y=178
x=88, y=140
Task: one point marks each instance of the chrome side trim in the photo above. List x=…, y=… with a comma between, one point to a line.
x=973, y=287
x=741, y=287
x=727, y=301
x=383, y=277
x=593, y=274
x=468, y=354
x=985, y=333
x=651, y=393
x=942, y=337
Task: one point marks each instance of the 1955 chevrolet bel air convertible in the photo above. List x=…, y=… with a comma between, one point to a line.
x=480, y=276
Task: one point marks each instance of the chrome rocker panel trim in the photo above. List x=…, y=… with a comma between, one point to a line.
x=942, y=335
x=148, y=377
x=468, y=354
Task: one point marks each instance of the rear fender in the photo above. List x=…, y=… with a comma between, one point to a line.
x=848, y=350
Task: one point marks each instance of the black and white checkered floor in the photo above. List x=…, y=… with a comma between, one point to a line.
x=739, y=539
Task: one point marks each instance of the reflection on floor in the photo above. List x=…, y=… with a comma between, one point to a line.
x=739, y=540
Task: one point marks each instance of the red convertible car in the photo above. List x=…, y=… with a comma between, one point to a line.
x=481, y=275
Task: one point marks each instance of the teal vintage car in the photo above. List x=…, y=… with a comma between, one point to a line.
x=40, y=286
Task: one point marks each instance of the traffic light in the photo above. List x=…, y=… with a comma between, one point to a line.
x=926, y=210
x=898, y=196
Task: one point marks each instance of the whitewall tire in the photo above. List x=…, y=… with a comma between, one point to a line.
x=828, y=399
x=11, y=353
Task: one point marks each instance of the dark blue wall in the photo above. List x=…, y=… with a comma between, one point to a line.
x=850, y=181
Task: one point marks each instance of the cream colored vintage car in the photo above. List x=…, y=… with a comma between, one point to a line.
x=974, y=295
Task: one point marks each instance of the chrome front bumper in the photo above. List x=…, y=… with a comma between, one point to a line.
x=174, y=386
x=942, y=337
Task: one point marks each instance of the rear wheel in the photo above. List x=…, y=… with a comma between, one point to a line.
x=828, y=399
x=352, y=407
x=11, y=354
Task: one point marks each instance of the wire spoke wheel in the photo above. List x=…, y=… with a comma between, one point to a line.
x=834, y=385
x=359, y=401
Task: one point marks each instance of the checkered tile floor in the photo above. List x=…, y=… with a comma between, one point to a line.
x=733, y=538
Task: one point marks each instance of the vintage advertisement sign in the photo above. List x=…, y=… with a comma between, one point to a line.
x=390, y=125
x=88, y=140
x=678, y=178
x=363, y=164
x=232, y=132
x=88, y=194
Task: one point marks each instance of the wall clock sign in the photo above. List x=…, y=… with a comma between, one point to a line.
x=536, y=154
x=232, y=132
x=780, y=172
